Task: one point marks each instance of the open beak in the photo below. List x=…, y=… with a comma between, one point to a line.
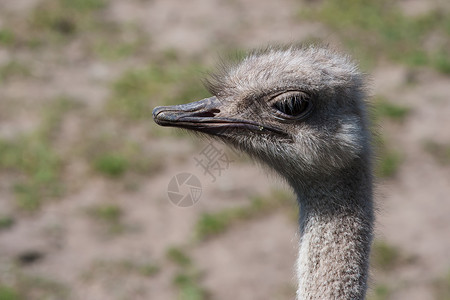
x=204, y=116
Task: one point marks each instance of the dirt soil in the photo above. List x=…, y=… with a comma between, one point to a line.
x=73, y=256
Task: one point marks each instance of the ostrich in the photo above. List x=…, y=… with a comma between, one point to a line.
x=301, y=111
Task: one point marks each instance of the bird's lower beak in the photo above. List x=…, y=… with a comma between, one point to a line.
x=205, y=116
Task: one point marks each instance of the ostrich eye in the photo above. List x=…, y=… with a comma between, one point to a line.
x=292, y=105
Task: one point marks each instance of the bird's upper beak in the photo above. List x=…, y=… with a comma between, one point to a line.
x=206, y=116
x=199, y=115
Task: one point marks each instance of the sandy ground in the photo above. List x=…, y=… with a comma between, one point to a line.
x=254, y=259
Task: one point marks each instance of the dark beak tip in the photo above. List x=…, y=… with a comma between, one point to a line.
x=165, y=115
x=155, y=112
x=161, y=115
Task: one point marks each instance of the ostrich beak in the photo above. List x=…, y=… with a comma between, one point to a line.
x=198, y=116
x=194, y=112
x=206, y=116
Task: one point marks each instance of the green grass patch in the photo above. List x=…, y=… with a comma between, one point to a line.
x=148, y=269
x=53, y=115
x=109, y=216
x=188, y=286
x=83, y=6
x=178, y=256
x=9, y=293
x=385, y=109
x=379, y=292
x=112, y=165
x=53, y=20
x=388, y=161
x=114, y=155
x=107, y=212
x=385, y=257
x=6, y=222
x=7, y=37
x=13, y=69
x=113, y=51
x=117, y=42
x=380, y=28
x=212, y=224
x=25, y=286
x=41, y=166
x=56, y=22
x=138, y=91
x=442, y=287
x=388, y=164
x=441, y=61
x=187, y=278
x=102, y=269
x=33, y=156
x=440, y=151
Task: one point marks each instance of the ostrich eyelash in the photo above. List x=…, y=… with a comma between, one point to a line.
x=292, y=105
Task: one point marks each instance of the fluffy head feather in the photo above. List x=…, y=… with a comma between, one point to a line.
x=329, y=139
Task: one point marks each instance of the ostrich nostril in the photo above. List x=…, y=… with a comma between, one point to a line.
x=207, y=114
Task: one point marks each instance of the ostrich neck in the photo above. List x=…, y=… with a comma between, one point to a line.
x=336, y=220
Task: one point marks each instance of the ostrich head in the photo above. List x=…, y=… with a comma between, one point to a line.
x=299, y=110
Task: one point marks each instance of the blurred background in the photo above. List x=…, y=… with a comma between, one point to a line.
x=84, y=171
